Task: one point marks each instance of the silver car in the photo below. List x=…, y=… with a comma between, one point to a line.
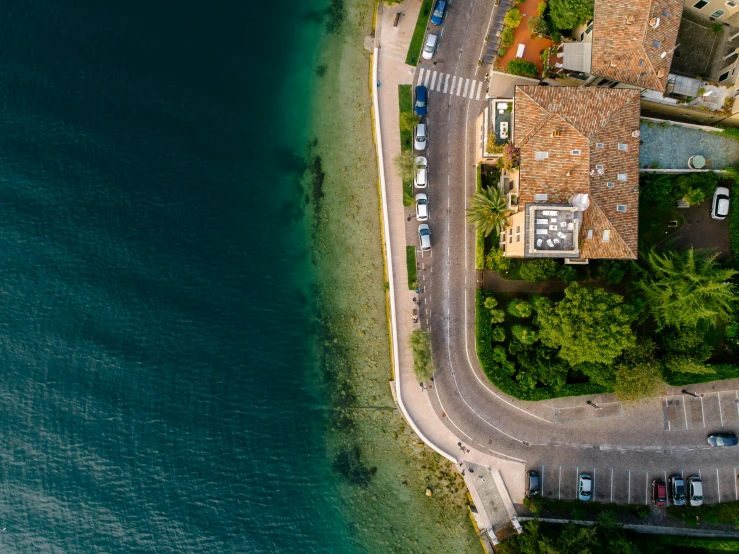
x=677, y=490
x=424, y=237
x=695, y=490
x=422, y=207
x=429, y=49
x=419, y=136
x=584, y=487
x=421, y=178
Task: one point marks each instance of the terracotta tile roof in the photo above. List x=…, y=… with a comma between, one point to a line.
x=560, y=120
x=627, y=48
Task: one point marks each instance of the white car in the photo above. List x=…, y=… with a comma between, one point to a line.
x=695, y=490
x=420, y=180
x=720, y=205
x=424, y=237
x=429, y=49
x=584, y=487
x=419, y=136
x=422, y=207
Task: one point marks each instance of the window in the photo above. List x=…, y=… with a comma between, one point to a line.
x=717, y=13
x=540, y=197
x=541, y=155
x=510, y=235
x=582, y=36
x=518, y=234
x=599, y=167
x=623, y=147
x=700, y=4
x=590, y=233
x=731, y=4
x=610, y=184
x=622, y=177
x=723, y=76
x=641, y=63
x=575, y=152
x=606, y=235
x=589, y=29
x=621, y=207
x=599, y=145
x=655, y=44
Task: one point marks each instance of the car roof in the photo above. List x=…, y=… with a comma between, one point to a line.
x=431, y=38
x=421, y=126
x=697, y=488
x=723, y=206
x=420, y=89
x=722, y=190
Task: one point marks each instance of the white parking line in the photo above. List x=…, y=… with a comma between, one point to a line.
x=428, y=76
x=446, y=83
x=420, y=76
x=646, y=492
x=629, y=500
x=577, y=475
x=611, y=485
x=685, y=411
x=459, y=86
x=736, y=490
x=593, y=487
x=703, y=413
x=433, y=80
x=542, y=480
x=719, y=410
x=559, y=489
x=479, y=90
x=718, y=486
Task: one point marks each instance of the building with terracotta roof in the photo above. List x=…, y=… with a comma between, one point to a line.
x=628, y=41
x=576, y=191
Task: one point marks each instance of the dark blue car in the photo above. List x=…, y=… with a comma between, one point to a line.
x=421, y=101
x=438, y=16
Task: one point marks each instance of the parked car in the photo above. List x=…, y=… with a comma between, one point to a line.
x=422, y=207
x=584, y=487
x=695, y=490
x=659, y=492
x=424, y=236
x=421, y=100
x=419, y=136
x=532, y=484
x=722, y=439
x=429, y=49
x=720, y=205
x=677, y=490
x=438, y=16
x=420, y=181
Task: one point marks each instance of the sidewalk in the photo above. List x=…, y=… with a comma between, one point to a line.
x=391, y=44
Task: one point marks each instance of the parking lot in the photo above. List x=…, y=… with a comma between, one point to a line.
x=709, y=411
x=559, y=482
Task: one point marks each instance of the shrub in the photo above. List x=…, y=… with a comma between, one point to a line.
x=497, y=316
x=541, y=8
x=717, y=28
x=513, y=18
x=734, y=212
x=421, y=346
x=612, y=271
x=523, y=68
x=502, y=51
x=567, y=273
x=499, y=354
x=490, y=303
x=538, y=26
x=506, y=37
x=525, y=335
x=539, y=269
x=568, y=14
x=498, y=334
x=497, y=261
x=519, y=308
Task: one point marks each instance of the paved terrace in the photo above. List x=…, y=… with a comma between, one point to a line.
x=672, y=144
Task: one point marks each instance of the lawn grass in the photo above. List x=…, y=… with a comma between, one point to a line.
x=704, y=544
x=414, y=49
x=726, y=512
x=405, y=101
x=410, y=262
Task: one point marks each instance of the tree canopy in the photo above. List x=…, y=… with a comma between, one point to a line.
x=638, y=373
x=588, y=325
x=488, y=210
x=568, y=14
x=687, y=288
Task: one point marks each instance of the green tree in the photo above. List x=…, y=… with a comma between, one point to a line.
x=497, y=316
x=519, y=308
x=513, y=18
x=536, y=270
x=568, y=14
x=538, y=26
x=423, y=367
x=588, y=325
x=638, y=374
x=506, y=41
x=408, y=120
x=488, y=211
x=405, y=163
x=498, y=334
x=687, y=288
x=490, y=302
x=612, y=271
x=525, y=335
x=497, y=260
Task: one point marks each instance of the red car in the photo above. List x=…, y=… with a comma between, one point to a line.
x=659, y=492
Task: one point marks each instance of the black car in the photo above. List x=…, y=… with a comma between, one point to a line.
x=722, y=439
x=421, y=101
x=532, y=484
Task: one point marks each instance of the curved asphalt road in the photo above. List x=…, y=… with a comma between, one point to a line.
x=625, y=451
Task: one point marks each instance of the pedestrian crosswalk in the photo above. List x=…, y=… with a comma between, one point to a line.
x=450, y=84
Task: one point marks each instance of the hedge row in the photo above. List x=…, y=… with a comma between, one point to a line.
x=590, y=509
x=507, y=384
x=722, y=371
x=734, y=221
x=708, y=544
x=726, y=512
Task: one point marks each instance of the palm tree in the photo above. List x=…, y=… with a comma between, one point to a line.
x=687, y=289
x=488, y=211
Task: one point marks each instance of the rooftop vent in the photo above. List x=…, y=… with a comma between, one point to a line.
x=556, y=133
x=614, y=63
x=654, y=22
x=629, y=20
x=660, y=73
x=636, y=133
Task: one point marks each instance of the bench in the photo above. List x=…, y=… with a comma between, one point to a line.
x=397, y=19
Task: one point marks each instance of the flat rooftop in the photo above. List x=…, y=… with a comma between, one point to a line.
x=552, y=231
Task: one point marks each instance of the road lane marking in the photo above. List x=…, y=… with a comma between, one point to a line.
x=646, y=492
x=420, y=76
x=438, y=84
x=446, y=83
x=433, y=80
x=629, y=500
x=611, y=485
x=719, y=410
x=559, y=487
x=428, y=76
x=454, y=81
x=718, y=486
x=466, y=85
x=459, y=85
x=703, y=414
x=685, y=411
x=479, y=90
x=472, y=90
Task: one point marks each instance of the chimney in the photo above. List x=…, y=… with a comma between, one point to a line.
x=556, y=133
x=654, y=22
x=629, y=20
x=636, y=133
x=660, y=73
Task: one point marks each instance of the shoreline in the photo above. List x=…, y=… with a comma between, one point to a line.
x=385, y=469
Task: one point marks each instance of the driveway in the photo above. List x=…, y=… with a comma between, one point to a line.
x=702, y=231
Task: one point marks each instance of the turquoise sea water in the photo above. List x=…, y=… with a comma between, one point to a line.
x=157, y=388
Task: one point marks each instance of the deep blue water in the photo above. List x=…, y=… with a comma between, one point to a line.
x=157, y=380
